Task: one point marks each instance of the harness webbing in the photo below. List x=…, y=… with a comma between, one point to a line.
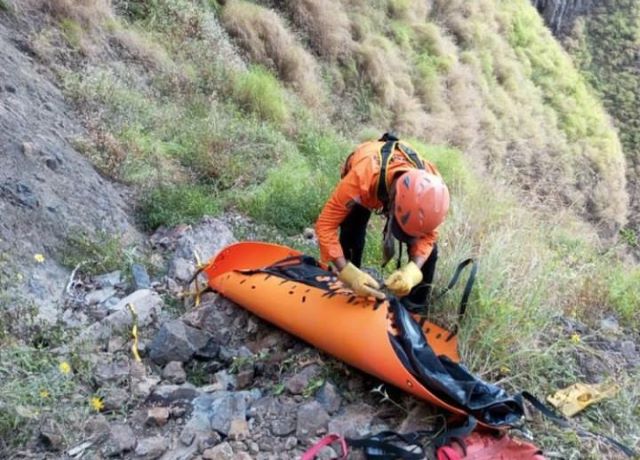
x=391, y=143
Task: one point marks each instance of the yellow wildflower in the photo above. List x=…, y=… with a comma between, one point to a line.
x=96, y=403
x=39, y=258
x=64, y=367
x=44, y=394
x=575, y=338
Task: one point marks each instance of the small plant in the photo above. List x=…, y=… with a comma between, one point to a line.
x=6, y=6
x=313, y=386
x=381, y=391
x=169, y=205
x=95, y=254
x=630, y=237
x=72, y=32
x=257, y=91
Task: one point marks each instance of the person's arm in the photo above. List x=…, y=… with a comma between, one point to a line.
x=333, y=214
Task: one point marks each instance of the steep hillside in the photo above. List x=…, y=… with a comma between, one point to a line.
x=246, y=110
x=605, y=43
x=48, y=190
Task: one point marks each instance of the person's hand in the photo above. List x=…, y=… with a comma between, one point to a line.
x=403, y=280
x=362, y=283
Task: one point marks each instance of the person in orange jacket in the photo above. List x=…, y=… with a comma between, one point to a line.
x=387, y=176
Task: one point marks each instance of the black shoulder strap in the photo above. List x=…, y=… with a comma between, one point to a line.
x=411, y=155
x=391, y=142
x=389, y=445
x=385, y=157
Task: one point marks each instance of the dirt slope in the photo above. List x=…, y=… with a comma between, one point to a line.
x=47, y=189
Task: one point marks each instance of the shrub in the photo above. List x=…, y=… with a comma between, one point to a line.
x=259, y=92
x=91, y=14
x=5, y=6
x=290, y=198
x=265, y=38
x=94, y=254
x=624, y=291
x=327, y=24
x=170, y=205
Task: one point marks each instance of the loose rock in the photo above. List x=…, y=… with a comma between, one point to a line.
x=328, y=396
x=51, y=435
x=220, y=452
x=152, y=448
x=297, y=384
x=312, y=420
x=115, y=399
x=140, y=276
x=174, y=372
x=97, y=428
x=100, y=295
x=157, y=416
x=176, y=341
x=108, y=279
x=115, y=372
x=121, y=439
x=174, y=394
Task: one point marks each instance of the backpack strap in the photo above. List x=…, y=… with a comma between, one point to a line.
x=389, y=445
x=391, y=143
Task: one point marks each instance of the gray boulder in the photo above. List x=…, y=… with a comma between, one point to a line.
x=175, y=341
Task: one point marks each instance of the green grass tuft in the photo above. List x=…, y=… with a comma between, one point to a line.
x=95, y=254
x=257, y=91
x=169, y=205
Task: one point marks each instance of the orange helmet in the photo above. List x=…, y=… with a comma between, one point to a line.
x=421, y=204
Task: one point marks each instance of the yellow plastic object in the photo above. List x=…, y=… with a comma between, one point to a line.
x=578, y=396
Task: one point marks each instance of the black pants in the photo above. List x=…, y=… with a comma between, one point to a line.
x=353, y=231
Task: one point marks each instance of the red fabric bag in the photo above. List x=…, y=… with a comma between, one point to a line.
x=487, y=446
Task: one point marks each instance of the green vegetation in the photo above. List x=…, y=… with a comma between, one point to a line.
x=5, y=6
x=258, y=92
x=201, y=124
x=96, y=254
x=605, y=43
x=171, y=205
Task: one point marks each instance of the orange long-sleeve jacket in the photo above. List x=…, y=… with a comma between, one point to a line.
x=359, y=185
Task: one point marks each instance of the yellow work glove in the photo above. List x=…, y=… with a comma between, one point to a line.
x=362, y=283
x=403, y=280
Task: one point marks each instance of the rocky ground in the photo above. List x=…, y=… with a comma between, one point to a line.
x=215, y=382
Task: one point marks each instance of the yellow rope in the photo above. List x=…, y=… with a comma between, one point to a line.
x=134, y=332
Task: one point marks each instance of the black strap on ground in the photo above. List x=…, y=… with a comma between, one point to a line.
x=563, y=422
x=458, y=433
x=389, y=445
x=465, y=293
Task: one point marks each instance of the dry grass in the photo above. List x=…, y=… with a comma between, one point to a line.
x=327, y=24
x=91, y=14
x=143, y=49
x=412, y=10
x=264, y=36
x=381, y=64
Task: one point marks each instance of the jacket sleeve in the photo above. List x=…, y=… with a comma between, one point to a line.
x=336, y=209
x=423, y=246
